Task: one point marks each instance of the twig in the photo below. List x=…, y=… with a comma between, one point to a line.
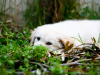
x=77, y=62
x=45, y=65
x=83, y=44
x=41, y=65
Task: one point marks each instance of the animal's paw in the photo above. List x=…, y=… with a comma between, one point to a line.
x=68, y=46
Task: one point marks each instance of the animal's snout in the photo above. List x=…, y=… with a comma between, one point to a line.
x=38, y=43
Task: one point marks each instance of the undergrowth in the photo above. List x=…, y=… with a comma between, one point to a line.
x=39, y=12
x=16, y=54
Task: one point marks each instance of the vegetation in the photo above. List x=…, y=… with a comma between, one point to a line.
x=18, y=57
x=58, y=10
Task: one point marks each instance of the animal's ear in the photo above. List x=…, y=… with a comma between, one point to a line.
x=66, y=41
x=32, y=36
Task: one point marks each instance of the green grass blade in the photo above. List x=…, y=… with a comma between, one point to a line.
x=6, y=28
x=80, y=40
x=99, y=38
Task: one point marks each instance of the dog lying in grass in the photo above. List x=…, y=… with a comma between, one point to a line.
x=55, y=36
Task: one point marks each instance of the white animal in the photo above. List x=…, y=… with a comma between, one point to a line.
x=56, y=35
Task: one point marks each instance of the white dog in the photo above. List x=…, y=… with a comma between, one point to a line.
x=56, y=35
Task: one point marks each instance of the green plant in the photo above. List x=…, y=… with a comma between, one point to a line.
x=39, y=52
x=80, y=40
x=57, y=69
x=98, y=39
x=49, y=11
x=15, y=50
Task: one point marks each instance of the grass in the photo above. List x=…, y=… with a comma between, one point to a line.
x=41, y=12
x=80, y=40
x=6, y=28
x=16, y=54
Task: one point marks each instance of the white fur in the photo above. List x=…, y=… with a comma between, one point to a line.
x=63, y=31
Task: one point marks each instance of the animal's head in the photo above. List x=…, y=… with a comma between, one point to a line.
x=50, y=38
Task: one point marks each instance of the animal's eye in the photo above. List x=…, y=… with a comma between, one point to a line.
x=38, y=38
x=48, y=43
